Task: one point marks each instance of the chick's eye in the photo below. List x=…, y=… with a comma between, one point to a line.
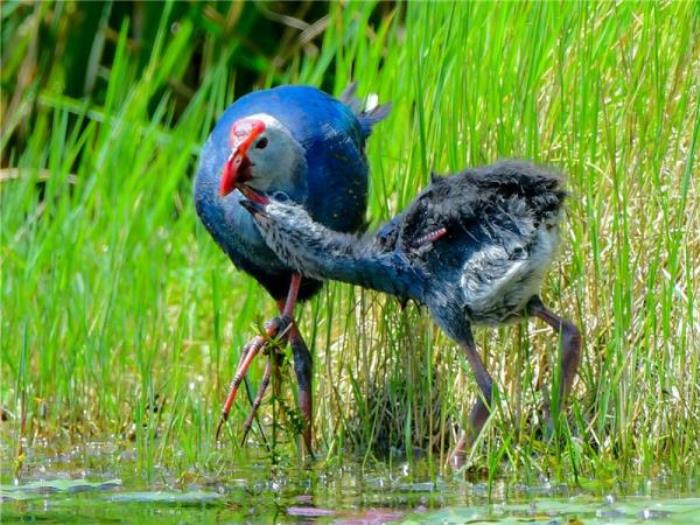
x=262, y=143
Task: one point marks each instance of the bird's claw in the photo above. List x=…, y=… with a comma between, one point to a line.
x=276, y=329
x=258, y=399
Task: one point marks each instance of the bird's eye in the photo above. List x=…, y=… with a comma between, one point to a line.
x=262, y=143
x=281, y=196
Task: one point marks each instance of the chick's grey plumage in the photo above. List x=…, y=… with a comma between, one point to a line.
x=501, y=235
x=495, y=234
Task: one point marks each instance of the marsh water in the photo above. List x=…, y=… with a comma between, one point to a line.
x=100, y=482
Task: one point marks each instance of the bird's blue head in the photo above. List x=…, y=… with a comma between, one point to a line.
x=264, y=156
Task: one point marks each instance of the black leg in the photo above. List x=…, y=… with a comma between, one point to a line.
x=303, y=366
x=303, y=370
x=570, y=355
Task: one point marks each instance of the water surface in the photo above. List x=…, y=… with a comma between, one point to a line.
x=108, y=486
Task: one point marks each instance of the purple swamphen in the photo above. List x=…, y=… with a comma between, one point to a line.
x=472, y=247
x=300, y=141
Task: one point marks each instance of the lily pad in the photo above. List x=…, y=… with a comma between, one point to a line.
x=186, y=498
x=35, y=489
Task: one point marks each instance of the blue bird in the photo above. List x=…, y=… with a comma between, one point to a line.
x=308, y=145
x=473, y=248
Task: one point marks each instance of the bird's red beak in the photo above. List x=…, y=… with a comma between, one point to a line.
x=237, y=168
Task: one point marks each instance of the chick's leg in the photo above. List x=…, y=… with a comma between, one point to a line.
x=482, y=408
x=570, y=355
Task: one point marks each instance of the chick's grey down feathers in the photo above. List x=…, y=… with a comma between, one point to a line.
x=501, y=233
x=472, y=247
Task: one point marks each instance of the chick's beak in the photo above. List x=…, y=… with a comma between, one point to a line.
x=256, y=209
x=236, y=171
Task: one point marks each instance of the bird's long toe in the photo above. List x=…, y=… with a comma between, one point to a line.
x=258, y=399
x=275, y=328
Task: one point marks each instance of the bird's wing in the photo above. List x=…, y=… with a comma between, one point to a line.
x=367, y=114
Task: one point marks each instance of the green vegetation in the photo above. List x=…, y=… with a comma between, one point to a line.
x=122, y=320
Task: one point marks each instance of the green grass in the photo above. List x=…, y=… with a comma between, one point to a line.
x=113, y=294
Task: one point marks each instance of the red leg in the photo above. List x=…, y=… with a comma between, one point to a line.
x=249, y=352
x=302, y=365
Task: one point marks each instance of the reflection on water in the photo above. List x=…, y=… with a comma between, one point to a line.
x=106, y=485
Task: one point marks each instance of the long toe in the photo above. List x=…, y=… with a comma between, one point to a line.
x=253, y=348
x=258, y=400
x=276, y=328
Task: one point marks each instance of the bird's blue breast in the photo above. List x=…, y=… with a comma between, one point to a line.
x=335, y=172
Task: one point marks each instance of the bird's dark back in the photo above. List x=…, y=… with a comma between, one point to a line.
x=484, y=238
x=471, y=201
